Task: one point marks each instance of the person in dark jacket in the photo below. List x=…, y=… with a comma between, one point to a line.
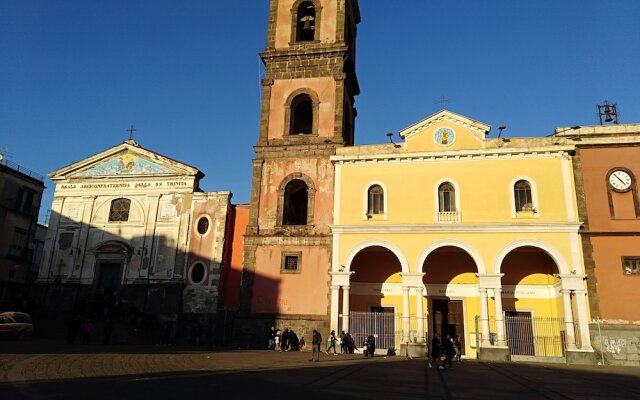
x=435, y=351
x=315, y=346
x=447, y=350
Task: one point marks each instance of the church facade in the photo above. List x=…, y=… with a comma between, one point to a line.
x=452, y=233
x=132, y=236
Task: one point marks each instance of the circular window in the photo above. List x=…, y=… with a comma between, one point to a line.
x=203, y=225
x=197, y=273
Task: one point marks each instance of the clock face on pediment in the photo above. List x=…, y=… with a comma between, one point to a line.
x=444, y=136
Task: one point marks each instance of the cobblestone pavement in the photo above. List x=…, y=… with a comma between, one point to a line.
x=39, y=369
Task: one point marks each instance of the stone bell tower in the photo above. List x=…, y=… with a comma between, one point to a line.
x=307, y=112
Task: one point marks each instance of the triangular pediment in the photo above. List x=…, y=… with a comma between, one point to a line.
x=125, y=160
x=445, y=131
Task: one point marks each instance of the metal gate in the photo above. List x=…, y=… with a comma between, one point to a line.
x=381, y=325
x=529, y=336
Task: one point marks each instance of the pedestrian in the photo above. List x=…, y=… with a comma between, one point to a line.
x=351, y=344
x=457, y=347
x=301, y=343
x=435, y=351
x=272, y=338
x=315, y=346
x=285, y=340
x=106, y=332
x=343, y=342
x=277, y=340
x=197, y=333
x=447, y=350
x=87, y=327
x=332, y=342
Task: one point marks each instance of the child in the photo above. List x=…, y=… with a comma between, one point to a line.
x=301, y=343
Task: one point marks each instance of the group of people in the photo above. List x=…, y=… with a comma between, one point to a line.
x=450, y=348
x=285, y=340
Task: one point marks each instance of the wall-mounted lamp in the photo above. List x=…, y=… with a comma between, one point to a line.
x=500, y=129
x=390, y=136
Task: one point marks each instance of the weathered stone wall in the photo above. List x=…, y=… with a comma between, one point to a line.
x=616, y=344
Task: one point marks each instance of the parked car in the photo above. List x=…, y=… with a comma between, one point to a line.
x=15, y=324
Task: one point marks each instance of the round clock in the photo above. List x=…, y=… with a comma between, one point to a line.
x=620, y=180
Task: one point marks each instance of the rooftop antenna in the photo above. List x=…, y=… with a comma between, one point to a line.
x=501, y=128
x=609, y=111
x=3, y=152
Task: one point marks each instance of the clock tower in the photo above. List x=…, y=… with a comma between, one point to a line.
x=308, y=95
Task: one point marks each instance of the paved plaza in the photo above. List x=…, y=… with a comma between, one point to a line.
x=41, y=369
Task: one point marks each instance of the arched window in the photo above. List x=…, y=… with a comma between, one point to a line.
x=296, y=197
x=301, y=115
x=119, y=210
x=305, y=22
x=375, y=204
x=522, y=196
x=446, y=197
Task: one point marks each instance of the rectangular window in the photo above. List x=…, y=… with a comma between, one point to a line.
x=24, y=201
x=18, y=243
x=631, y=265
x=291, y=262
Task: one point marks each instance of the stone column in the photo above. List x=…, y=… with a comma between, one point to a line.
x=420, y=315
x=345, y=308
x=484, y=318
x=501, y=341
x=335, y=311
x=568, y=319
x=405, y=314
x=581, y=308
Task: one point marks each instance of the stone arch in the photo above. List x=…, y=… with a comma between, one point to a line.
x=311, y=194
x=475, y=255
x=290, y=103
x=375, y=242
x=555, y=255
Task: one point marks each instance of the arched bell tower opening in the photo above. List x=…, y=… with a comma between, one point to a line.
x=305, y=18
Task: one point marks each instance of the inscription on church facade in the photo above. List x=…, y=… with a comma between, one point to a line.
x=125, y=185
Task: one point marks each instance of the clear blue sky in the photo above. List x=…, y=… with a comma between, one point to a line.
x=75, y=74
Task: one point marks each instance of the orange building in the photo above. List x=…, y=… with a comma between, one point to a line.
x=607, y=166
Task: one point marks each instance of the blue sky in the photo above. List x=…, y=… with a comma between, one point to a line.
x=75, y=74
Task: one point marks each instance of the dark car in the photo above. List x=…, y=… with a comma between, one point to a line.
x=15, y=324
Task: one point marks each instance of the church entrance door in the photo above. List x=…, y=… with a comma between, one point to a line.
x=109, y=280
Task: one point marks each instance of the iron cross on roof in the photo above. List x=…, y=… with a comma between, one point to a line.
x=443, y=100
x=131, y=130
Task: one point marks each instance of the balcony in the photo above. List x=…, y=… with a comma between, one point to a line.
x=448, y=217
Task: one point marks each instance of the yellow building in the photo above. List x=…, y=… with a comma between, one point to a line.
x=453, y=233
